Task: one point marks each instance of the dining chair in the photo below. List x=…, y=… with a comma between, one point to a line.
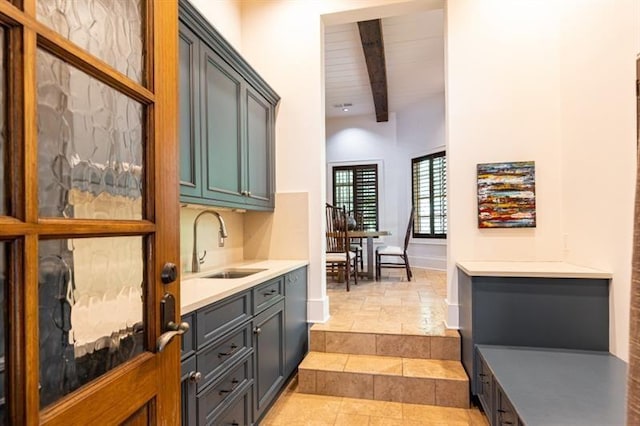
x=355, y=244
x=338, y=254
x=399, y=256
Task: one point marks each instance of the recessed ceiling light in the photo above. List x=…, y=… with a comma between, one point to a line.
x=345, y=109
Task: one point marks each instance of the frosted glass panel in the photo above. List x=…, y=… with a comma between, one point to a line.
x=109, y=29
x=4, y=205
x=90, y=152
x=91, y=310
x=3, y=333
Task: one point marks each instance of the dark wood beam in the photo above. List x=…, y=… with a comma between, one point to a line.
x=373, y=47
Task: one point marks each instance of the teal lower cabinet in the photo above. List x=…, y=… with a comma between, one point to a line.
x=296, y=334
x=240, y=351
x=269, y=344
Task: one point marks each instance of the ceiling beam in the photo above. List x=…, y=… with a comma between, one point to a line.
x=373, y=47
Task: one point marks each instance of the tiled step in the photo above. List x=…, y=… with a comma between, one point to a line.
x=445, y=346
x=384, y=378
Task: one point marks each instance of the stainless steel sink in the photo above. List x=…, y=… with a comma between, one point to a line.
x=234, y=273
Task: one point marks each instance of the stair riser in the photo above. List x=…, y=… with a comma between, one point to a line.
x=412, y=390
x=409, y=346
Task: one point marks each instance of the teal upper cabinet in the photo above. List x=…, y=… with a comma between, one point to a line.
x=227, y=114
x=189, y=87
x=222, y=158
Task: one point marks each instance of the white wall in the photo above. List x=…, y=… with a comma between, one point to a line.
x=414, y=131
x=600, y=40
x=421, y=131
x=562, y=97
x=225, y=16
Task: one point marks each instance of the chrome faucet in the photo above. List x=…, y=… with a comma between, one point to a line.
x=222, y=234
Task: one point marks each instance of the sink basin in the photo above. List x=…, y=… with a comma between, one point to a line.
x=234, y=273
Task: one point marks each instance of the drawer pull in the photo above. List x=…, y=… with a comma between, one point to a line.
x=270, y=292
x=234, y=349
x=234, y=385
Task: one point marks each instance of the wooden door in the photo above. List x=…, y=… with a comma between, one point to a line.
x=89, y=212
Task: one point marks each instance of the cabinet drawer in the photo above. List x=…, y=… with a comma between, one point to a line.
x=188, y=339
x=215, y=359
x=216, y=397
x=216, y=320
x=239, y=411
x=267, y=294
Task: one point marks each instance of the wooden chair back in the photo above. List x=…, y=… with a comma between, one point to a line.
x=336, y=229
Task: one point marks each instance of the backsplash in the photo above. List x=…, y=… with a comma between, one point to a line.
x=208, y=227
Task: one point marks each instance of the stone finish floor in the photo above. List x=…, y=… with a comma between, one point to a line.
x=392, y=306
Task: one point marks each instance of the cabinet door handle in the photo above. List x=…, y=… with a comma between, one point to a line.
x=234, y=385
x=257, y=330
x=234, y=349
x=195, y=376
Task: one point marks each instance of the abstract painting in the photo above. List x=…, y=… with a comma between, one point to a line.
x=507, y=195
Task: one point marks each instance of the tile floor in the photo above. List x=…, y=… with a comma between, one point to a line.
x=391, y=305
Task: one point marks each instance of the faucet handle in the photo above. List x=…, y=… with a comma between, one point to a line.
x=201, y=259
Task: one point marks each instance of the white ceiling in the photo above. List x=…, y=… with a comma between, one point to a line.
x=414, y=51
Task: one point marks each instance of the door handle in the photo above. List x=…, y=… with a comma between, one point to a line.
x=171, y=328
x=175, y=330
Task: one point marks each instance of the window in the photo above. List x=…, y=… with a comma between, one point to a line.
x=429, y=187
x=356, y=188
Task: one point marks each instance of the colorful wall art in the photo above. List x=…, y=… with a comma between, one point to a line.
x=507, y=195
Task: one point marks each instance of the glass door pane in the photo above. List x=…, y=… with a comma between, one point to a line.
x=111, y=30
x=90, y=149
x=4, y=170
x=91, y=310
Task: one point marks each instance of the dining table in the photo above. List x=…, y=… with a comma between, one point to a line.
x=369, y=235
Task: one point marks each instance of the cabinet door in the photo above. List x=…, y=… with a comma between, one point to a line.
x=222, y=112
x=189, y=94
x=505, y=414
x=296, y=329
x=269, y=353
x=484, y=386
x=260, y=158
x=188, y=380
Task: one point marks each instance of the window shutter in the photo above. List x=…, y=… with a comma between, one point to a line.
x=366, y=195
x=429, y=187
x=356, y=188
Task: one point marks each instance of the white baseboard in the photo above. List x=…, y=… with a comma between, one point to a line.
x=438, y=263
x=318, y=309
x=453, y=315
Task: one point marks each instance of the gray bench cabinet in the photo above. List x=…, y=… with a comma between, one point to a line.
x=227, y=115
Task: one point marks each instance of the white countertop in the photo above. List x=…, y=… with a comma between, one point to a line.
x=530, y=269
x=196, y=292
